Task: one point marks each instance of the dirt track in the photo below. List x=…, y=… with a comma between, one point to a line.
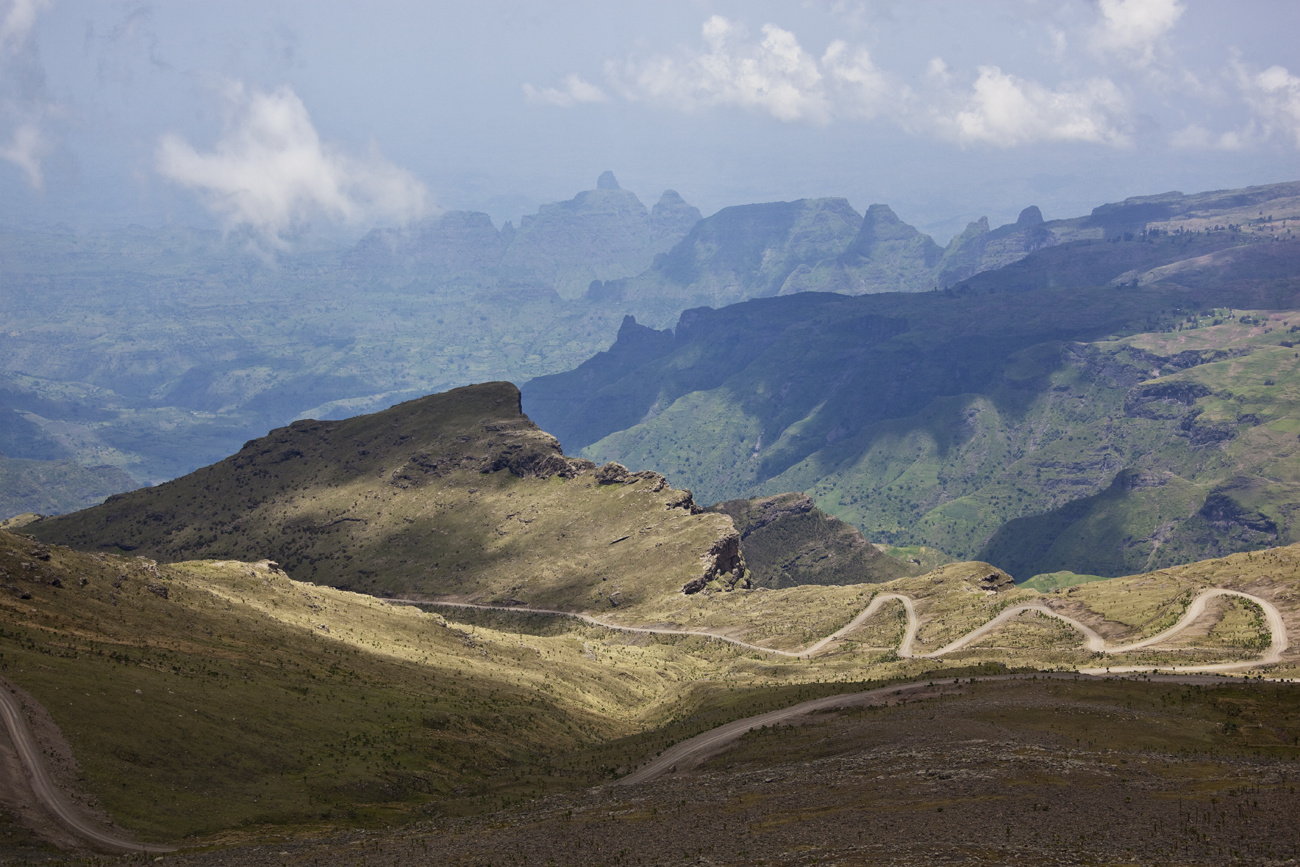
x=49, y=794
x=1095, y=643
x=702, y=746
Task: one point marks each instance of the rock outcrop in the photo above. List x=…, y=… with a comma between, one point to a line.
x=722, y=563
x=788, y=541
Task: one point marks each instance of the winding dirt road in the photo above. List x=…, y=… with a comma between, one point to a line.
x=53, y=799
x=1094, y=642
x=49, y=794
x=702, y=746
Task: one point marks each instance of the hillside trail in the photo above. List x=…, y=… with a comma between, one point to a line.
x=1094, y=642
x=695, y=750
x=48, y=793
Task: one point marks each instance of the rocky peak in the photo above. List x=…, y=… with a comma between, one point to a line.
x=634, y=337
x=1029, y=217
x=880, y=223
x=607, y=181
x=672, y=215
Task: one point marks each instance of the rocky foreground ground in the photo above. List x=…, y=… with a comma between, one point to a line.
x=1023, y=772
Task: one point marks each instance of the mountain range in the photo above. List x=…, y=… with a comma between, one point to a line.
x=134, y=356
x=1102, y=406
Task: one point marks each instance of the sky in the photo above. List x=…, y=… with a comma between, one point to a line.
x=282, y=117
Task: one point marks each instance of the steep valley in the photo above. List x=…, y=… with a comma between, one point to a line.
x=1101, y=428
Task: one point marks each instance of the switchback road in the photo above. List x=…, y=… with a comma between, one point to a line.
x=1095, y=643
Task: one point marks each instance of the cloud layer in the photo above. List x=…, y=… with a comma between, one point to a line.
x=1134, y=30
x=576, y=90
x=1006, y=111
x=772, y=74
x=271, y=171
x=1129, y=45
x=775, y=75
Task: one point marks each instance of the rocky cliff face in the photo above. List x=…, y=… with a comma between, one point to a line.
x=600, y=234
x=788, y=541
x=886, y=255
x=977, y=249
x=722, y=563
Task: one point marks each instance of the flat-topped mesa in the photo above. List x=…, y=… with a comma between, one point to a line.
x=451, y=494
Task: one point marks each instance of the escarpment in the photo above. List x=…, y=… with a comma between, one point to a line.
x=452, y=495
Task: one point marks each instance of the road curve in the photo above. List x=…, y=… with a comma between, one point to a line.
x=49, y=794
x=1276, y=626
x=1095, y=643
x=710, y=742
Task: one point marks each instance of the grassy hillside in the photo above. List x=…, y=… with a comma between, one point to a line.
x=51, y=487
x=219, y=701
x=453, y=494
x=1152, y=410
x=223, y=700
x=212, y=697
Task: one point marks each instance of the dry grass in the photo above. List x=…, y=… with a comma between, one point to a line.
x=265, y=702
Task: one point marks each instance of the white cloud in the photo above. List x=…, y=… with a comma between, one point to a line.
x=26, y=151
x=1006, y=111
x=19, y=20
x=773, y=75
x=1274, y=100
x=25, y=108
x=777, y=76
x=1197, y=137
x=1134, y=30
x=576, y=90
x=271, y=171
x=860, y=87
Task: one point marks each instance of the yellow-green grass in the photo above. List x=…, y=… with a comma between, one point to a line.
x=227, y=704
x=1049, y=581
x=267, y=705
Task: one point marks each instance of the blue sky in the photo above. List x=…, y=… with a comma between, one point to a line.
x=339, y=116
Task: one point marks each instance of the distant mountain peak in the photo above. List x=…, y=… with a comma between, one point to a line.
x=1030, y=216
x=607, y=181
x=880, y=224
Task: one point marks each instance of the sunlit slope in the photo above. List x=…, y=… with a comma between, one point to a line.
x=931, y=420
x=205, y=696
x=452, y=494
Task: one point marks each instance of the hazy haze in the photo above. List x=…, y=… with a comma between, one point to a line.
x=280, y=115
